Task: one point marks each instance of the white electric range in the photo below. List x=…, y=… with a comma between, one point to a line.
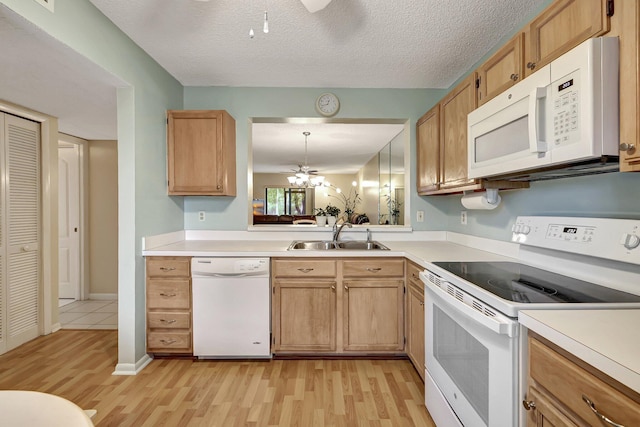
x=474, y=350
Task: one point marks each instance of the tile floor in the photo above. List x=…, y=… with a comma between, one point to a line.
x=89, y=314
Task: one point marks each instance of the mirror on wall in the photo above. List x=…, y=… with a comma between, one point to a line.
x=299, y=166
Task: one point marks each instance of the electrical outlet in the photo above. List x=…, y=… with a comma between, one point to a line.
x=463, y=217
x=201, y=215
x=420, y=216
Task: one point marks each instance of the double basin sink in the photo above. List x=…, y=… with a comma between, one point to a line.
x=327, y=245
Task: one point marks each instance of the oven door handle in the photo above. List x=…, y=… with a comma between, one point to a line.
x=497, y=322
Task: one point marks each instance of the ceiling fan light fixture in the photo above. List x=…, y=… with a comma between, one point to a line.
x=315, y=5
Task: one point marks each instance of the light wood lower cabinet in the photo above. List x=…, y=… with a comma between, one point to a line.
x=565, y=391
x=168, y=297
x=333, y=305
x=415, y=326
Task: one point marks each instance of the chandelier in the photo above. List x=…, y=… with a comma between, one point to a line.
x=304, y=177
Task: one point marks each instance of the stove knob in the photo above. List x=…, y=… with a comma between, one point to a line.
x=526, y=229
x=630, y=241
x=517, y=228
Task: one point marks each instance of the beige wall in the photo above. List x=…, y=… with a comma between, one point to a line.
x=103, y=217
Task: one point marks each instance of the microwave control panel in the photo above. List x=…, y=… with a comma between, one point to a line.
x=565, y=106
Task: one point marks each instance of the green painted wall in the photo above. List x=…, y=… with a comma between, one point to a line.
x=245, y=103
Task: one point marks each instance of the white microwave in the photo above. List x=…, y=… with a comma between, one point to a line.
x=564, y=113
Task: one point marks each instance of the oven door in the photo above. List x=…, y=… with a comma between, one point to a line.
x=472, y=359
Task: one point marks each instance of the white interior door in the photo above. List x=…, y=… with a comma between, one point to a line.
x=69, y=220
x=21, y=225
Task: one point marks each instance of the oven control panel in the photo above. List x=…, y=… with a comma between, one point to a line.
x=616, y=239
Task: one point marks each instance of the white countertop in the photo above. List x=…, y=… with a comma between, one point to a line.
x=419, y=252
x=605, y=339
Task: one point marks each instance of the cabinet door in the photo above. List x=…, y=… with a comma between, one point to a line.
x=373, y=315
x=304, y=316
x=545, y=413
x=201, y=153
x=428, y=151
x=504, y=69
x=415, y=324
x=562, y=26
x=454, y=109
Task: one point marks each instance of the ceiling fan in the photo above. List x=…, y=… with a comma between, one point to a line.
x=304, y=176
x=315, y=5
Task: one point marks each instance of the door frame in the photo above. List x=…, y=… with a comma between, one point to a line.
x=83, y=174
x=48, y=287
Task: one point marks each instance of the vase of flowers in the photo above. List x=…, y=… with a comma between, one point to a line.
x=321, y=217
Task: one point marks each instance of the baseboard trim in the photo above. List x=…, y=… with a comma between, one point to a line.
x=55, y=327
x=104, y=297
x=131, y=368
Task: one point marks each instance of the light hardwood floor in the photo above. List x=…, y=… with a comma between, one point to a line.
x=77, y=365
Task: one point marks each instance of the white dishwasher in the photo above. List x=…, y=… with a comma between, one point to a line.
x=231, y=307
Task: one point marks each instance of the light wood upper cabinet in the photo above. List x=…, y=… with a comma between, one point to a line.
x=201, y=153
x=428, y=151
x=562, y=26
x=454, y=108
x=504, y=69
x=560, y=384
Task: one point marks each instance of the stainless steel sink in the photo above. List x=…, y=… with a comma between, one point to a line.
x=325, y=245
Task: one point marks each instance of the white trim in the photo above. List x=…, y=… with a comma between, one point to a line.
x=103, y=297
x=490, y=245
x=132, y=369
x=162, y=239
x=56, y=327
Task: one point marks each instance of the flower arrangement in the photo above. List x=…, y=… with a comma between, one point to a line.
x=320, y=212
x=349, y=201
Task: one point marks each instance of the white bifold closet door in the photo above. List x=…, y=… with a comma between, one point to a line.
x=19, y=231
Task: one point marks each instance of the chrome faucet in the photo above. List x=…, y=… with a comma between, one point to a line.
x=337, y=230
x=368, y=235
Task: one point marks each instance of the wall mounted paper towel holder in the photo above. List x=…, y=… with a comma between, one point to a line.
x=486, y=201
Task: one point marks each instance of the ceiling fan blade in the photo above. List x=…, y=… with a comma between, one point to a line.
x=315, y=5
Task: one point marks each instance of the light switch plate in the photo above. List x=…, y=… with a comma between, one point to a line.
x=420, y=216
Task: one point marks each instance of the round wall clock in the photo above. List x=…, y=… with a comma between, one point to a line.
x=327, y=104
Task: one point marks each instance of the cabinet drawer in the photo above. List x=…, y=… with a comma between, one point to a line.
x=373, y=267
x=169, y=320
x=169, y=341
x=413, y=274
x=568, y=383
x=168, y=267
x=164, y=293
x=304, y=268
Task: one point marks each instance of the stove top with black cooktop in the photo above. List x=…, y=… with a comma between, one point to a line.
x=521, y=283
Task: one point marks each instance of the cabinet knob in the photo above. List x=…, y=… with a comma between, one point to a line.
x=333, y=288
x=627, y=147
x=531, y=65
x=346, y=288
x=592, y=406
x=218, y=187
x=529, y=405
x=514, y=77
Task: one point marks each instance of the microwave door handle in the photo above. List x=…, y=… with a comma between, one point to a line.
x=535, y=144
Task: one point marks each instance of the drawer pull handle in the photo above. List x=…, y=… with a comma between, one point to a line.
x=168, y=321
x=374, y=270
x=167, y=268
x=598, y=414
x=305, y=270
x=529, y=405
x=163, y=294
x=168, y=342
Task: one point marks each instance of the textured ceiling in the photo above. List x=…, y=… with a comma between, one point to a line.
x=350, y=43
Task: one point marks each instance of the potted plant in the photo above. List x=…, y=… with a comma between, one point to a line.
x=321, y=217
x=332, y=214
